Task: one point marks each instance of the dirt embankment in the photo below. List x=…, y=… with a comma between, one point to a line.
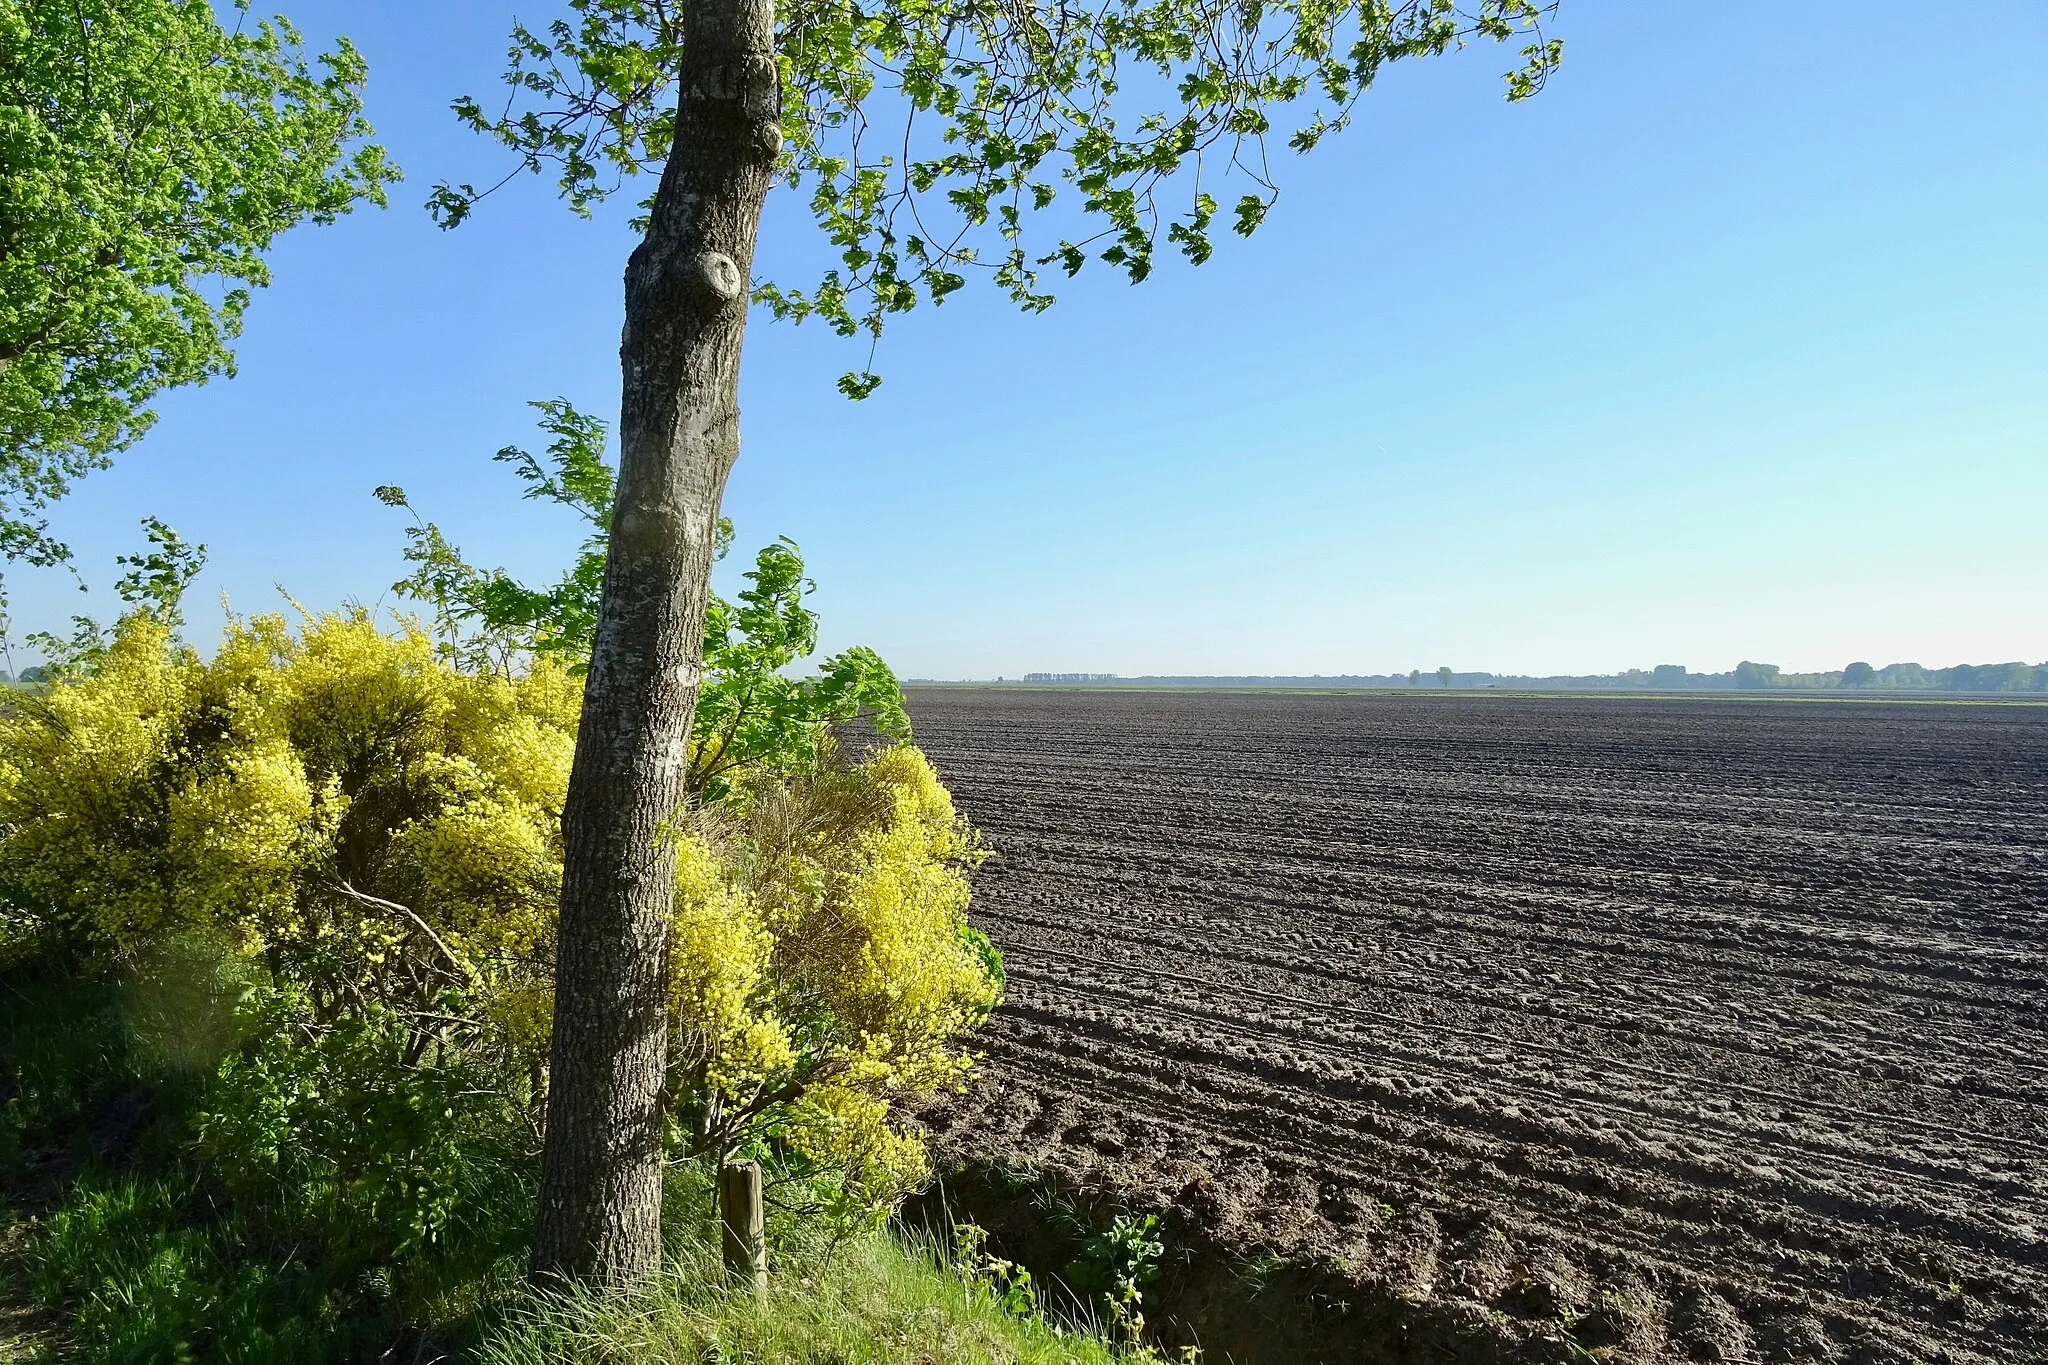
x=1555, y=1029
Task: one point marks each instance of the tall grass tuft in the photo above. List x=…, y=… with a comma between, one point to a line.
x=870, y=1300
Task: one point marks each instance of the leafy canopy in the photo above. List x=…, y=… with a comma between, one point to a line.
x=148, y=158
x=750, y=713
x=931, y=134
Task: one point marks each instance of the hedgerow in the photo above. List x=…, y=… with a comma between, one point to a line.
x=380, y=831
x=343, y=832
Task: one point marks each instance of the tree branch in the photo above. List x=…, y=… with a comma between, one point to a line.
x=462, y=968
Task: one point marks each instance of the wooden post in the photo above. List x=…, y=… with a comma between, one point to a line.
x=744, y=1232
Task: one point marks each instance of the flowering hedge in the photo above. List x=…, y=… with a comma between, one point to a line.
x=380, y=832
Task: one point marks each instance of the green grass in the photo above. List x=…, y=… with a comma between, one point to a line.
x=873, y=1296
x=144, y=1279
x=871, y=1299
x=119, y=1241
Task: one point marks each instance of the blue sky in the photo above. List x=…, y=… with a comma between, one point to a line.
x=1729, y=345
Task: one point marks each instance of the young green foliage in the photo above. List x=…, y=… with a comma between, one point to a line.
x=750, y=714
x=153, y=588
x=148, y=158
x=931, y=135
x=486, y=618
x=1118, y=1264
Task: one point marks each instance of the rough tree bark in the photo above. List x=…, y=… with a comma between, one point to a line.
x=686, y=305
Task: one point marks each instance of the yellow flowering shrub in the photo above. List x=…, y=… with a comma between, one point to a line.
x=78, y=773
x=377, y=826
x=827, y=918
x=288, y=797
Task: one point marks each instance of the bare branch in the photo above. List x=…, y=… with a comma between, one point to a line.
x=462, y=968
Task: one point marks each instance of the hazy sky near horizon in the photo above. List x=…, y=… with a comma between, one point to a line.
x=1728, y=345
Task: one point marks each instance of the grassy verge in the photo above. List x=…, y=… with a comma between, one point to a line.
x=122, y=1238
x=873, y=1300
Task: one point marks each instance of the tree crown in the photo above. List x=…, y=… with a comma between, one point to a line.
x=935, y=136
x=147, y=160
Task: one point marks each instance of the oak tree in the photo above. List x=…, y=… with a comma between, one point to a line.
x=932, y=141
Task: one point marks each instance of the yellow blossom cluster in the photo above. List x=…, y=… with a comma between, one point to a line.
x=330, y=797
x=823, y=962
x=339, y=804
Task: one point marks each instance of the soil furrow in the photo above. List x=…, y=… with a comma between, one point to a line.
x=1710, y=1001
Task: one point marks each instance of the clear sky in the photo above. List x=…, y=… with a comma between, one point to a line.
x=1729, y=345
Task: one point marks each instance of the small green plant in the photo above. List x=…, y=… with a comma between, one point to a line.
x=1255, y=1269
x=1008, y=1283
x=1117, y=1264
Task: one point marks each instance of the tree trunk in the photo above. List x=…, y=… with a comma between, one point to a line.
x=686, y=304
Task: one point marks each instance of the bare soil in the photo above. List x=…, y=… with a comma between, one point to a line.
x=1551, y=1028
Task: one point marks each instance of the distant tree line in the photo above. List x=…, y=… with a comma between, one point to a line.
x=1748, y=675
x=1861, y=677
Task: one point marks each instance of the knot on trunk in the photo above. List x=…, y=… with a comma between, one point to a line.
x=716, y=273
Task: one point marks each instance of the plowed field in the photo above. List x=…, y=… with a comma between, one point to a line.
x=1621, y=1029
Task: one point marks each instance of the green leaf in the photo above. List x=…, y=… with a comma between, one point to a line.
x=946, y=124
x=148, y=160
x=859, y=386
